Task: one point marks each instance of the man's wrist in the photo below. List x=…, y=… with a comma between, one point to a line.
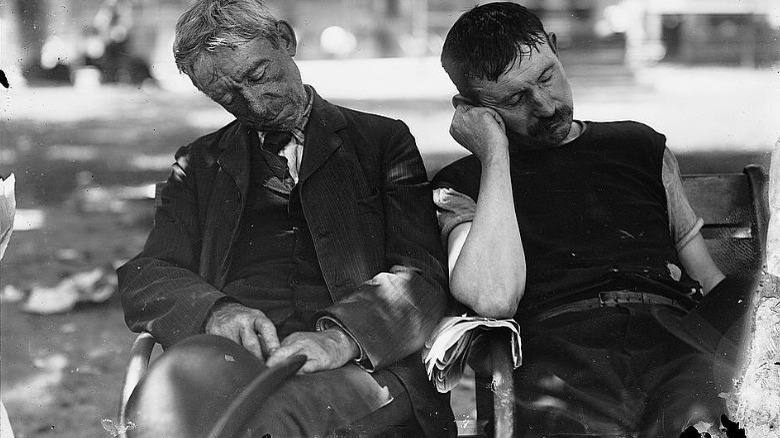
x=342, y=336
x=497, y=157
x=218, y=305
x=345, y=342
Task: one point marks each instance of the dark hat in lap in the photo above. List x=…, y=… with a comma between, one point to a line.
x=204, y=386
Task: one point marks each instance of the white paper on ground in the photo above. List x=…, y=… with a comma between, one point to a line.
x=7, y=211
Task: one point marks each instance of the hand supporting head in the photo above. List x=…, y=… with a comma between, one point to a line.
x=499, y=56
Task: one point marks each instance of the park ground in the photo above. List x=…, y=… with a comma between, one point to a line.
x=75, y=151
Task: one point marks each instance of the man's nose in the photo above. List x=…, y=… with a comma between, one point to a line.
x=253, y=100
x=544, y=106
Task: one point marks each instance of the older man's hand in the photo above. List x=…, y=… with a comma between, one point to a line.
x=245, y=326
x=326, y=350
x=481, y=130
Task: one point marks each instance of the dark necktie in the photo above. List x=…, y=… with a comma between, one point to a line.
x=275, y=141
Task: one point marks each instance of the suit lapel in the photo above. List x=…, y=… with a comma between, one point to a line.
x=234, y=159
x=231, y=184
x=228, y=197
x=322, y=137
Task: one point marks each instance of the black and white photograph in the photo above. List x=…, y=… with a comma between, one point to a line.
x=389, y=218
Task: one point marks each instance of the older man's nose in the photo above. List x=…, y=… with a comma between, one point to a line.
x=254, y=101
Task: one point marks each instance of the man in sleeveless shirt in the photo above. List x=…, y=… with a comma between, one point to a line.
x=580, y=231
x=301, y=227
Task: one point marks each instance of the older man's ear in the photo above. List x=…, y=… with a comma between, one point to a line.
x=287, y=36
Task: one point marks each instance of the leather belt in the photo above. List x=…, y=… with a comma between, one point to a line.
x=611, y=299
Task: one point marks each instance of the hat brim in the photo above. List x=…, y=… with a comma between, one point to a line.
x=203, y=386
x=254, y=395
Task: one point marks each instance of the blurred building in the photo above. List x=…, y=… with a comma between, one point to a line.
x=731, y=32
x=127, y=40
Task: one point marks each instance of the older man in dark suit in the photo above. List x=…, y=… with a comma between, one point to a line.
x=300, y=228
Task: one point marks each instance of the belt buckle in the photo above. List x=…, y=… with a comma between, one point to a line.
x=608, y=299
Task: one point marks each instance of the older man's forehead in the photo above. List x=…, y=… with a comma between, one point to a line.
x=230, y=63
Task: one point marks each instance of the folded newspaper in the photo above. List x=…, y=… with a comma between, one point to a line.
x=445, y=354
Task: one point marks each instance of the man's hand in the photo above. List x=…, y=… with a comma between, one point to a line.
x=245, y=326
x=481, y=130
x=326, y=350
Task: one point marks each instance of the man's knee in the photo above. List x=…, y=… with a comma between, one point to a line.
x=345, y=402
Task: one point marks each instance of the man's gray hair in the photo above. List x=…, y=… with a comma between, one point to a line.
x=212, y=24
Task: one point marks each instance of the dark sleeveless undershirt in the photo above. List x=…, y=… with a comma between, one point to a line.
x=592, y=214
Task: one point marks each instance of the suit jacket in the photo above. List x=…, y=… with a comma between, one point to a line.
x=368, y=206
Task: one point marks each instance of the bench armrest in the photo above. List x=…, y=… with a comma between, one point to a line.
x=495, y=392
x=140, y=353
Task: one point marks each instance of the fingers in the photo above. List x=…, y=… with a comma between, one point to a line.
x=250, y=341
x=461, y=100
x=283, y=353
x=483, y=114
x=480, y=130
x=314, y=345
x=247, y=327
x=226, y=331
x=267, y=331
x=463, y=108
x=312, y=366
x=497, y=117
x=296, y=343
x=469, y=117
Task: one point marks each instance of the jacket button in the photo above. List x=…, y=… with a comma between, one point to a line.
x=321, y=230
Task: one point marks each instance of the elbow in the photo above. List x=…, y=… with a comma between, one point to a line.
x=493, y=294
x=498, y=310
x=490, y=302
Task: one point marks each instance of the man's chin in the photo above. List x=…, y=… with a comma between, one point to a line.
x=271, y=125
x=524, y=142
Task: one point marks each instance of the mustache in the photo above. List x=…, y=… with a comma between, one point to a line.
x=542, y=126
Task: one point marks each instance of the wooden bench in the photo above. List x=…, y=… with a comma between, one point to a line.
x=735, y=212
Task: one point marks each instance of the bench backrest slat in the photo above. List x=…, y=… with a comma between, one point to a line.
x=721, y=200
x=726, y=204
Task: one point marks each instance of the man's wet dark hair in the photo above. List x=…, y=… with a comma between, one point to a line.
x=486, y=40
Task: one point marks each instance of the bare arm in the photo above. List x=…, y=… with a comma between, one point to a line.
x=486, y=259
x=698, y=263
x=693, y=252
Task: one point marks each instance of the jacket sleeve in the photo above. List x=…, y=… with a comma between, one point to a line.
x=392, y=314
x=160, y=290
